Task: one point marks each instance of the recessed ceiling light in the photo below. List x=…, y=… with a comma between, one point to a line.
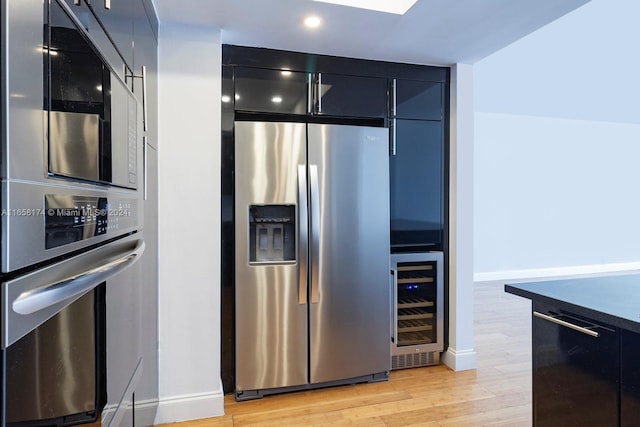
x=285, y=72
x=312, y=21
x=276, y=99
x=226, y=98
x=399, y=7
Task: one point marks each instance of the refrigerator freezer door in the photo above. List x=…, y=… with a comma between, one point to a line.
x=350, y=324
x=271, y=324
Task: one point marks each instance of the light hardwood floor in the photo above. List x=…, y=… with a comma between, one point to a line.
x=497, y=393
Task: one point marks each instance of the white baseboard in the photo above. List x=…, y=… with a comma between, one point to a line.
x=460, y=360
x=555, y=272
x=146, y=412
x=190, y=407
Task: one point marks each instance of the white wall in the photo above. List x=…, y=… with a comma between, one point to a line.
x=557, y=148
x=189, y=222
x=460, y=355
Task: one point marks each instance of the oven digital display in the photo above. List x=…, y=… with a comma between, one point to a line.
x=71, y=219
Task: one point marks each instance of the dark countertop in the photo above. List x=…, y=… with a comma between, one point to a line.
x=610, y=299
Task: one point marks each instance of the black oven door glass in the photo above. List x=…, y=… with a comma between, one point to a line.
x=78, y=102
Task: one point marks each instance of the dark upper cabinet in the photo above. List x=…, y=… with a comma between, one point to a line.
x=319, y=94
x=417, y=184
x=629, y=378
x=270, y=91
x=351, y=96
x=418, y=100
x=88, y=21
x=117, y=17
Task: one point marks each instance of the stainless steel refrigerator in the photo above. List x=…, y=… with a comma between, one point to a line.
x=312, y=256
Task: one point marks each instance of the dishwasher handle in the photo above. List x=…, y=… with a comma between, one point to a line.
x=566, y=324
x=38, y=299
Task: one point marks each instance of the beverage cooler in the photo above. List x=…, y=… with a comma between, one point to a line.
x=417, y=309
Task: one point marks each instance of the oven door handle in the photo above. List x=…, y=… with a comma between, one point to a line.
x=40, y=298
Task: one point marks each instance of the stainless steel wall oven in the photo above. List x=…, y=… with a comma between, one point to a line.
x=417, y=309
x=69, y=282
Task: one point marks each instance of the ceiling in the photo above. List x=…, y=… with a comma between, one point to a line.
x=437, y=32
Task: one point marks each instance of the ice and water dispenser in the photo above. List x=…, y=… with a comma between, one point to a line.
x=272, y=233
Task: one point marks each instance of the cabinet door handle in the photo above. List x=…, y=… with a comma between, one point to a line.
x=309, y=92
x=319, y=92
x=566, y=324
x=107, y=4
x=144, y=98
x=394, y=93
x=394, y=137
x=145, y=166
x=76, y=2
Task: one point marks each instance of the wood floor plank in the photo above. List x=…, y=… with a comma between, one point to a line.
x=497, y=393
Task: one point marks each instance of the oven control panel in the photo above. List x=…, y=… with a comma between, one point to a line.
x=69, y=219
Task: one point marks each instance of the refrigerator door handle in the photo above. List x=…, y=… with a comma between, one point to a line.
x=315, y=233
x=303, y=237
x=38, y=299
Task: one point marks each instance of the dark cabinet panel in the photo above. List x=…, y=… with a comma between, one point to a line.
x=117, y=18
x=270, y=91
x=351, y=96
x=146, y=89
x=146, y=55
x=102, y=40
x=419, y=100
x=575, y=375
x=629, y=378
x=417, y=183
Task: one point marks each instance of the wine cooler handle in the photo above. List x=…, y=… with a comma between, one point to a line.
x=303, y=237
x=315, y=233
x=394, y=306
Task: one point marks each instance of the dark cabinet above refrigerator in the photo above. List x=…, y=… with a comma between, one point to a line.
x=284, y=91
x=270, y=91
x=350, y=96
